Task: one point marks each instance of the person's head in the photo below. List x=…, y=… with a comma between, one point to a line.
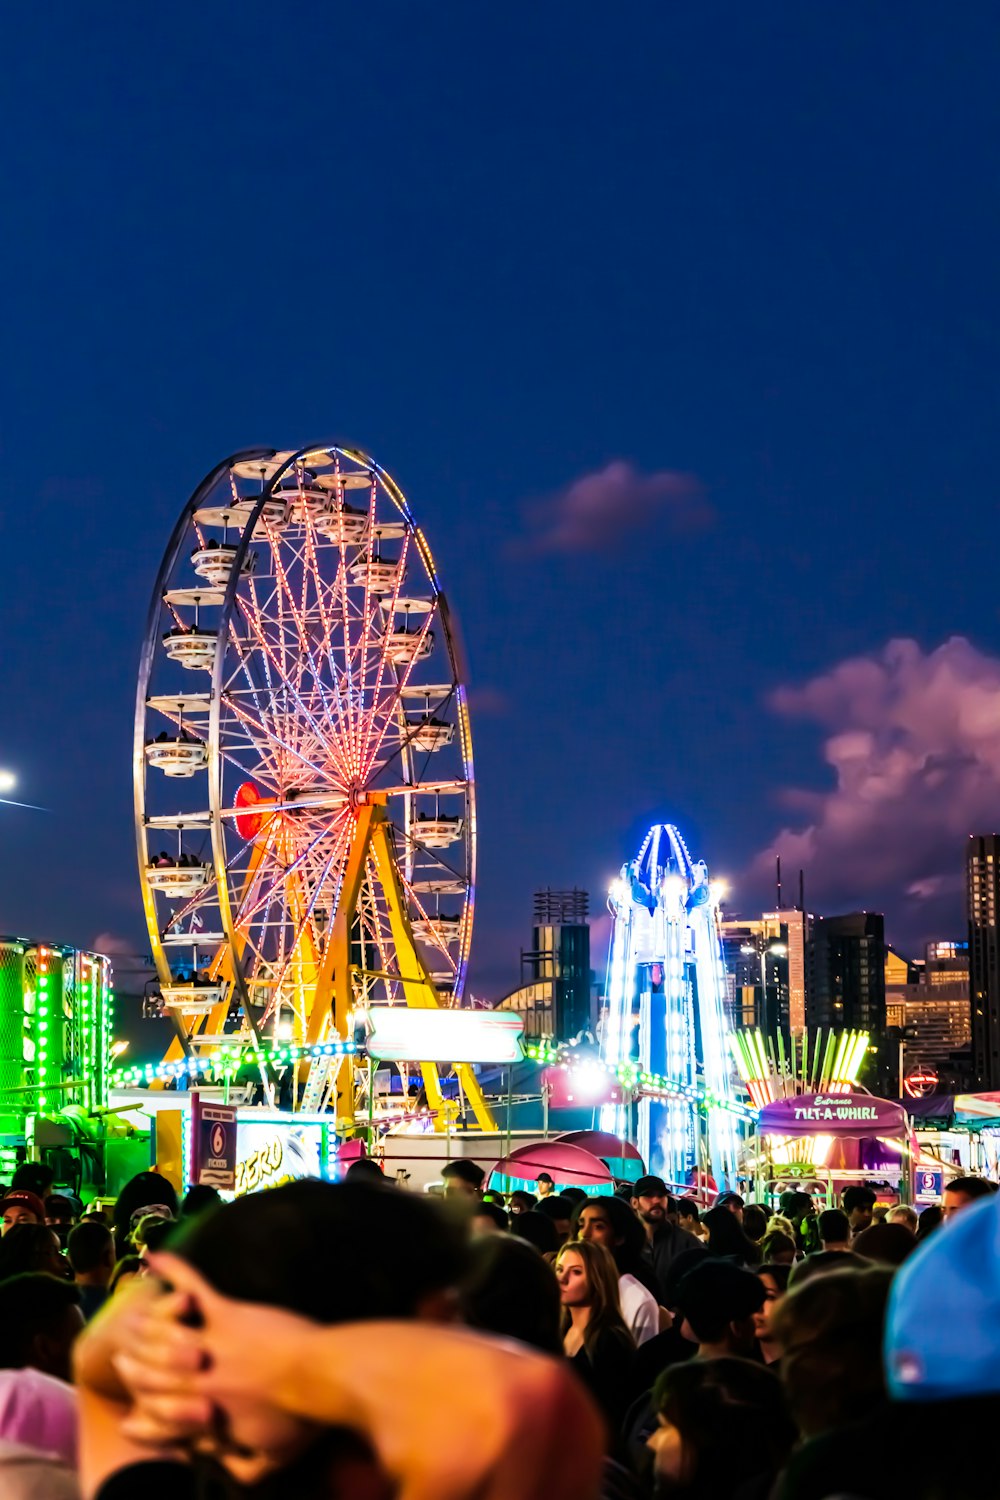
x=33, y=1177
x=610, y=1222
x=521, y=1202
x=699, y=1400
x=754, y=1222
x=332, y=1252
x=821, y=1263
x=32, y=1247
x=903, y=1214
x=91, y=1251
x=886, y=1244
x=588, y=1279
x=198, y=1198
x=20, y=1206
x=717, y=1302
x=830, y=1333
x=61, y=1212
x=126, y=1270
x=544, y=1185
x=511, y=1291
x=39, y=1319
x=726, y=1236
x=931, y=1218
x=537, y=1229
x=778, y=1248
x=365, y=1170
x=689, y=1216
x=573, y=1195
x=774, y=1280
x=151, y=1233
x=463, y=1179
x=796, y=1205
x=834, y=1229
x=144, y=1191
x=734, y=1202
x=859, y=1206
x=560, y=1211
x=651, y=1201
x=962, y=1191
x=487, y=1218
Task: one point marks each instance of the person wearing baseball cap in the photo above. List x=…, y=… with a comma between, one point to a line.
x=664, y=1240
x=21, y=1207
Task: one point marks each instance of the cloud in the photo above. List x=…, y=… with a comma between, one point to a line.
x=489, y=702
x=913, y=740
x=600, y=509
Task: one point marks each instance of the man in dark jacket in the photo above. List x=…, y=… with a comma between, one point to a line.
x=665, y=1241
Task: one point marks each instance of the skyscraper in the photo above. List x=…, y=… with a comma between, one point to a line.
x=845, y=980
x=982, y=884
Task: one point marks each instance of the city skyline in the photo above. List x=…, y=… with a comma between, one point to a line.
x=688, y=376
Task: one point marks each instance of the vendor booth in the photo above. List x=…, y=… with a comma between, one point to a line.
x=832, y=1140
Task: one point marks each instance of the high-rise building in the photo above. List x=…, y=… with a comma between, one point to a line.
x=845, y=973
x=927, y=1006
x=765, y=970
x=556, y=994
x=982, y=871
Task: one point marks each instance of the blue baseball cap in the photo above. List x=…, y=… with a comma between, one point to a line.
x=942, y=1327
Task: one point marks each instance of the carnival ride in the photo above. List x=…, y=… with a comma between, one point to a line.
x=666, y=1014
x=304, y=789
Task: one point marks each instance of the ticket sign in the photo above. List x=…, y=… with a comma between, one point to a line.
x=928, y=1184
x=213, y=1143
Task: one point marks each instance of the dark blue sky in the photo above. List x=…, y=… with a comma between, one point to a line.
x=503, y=249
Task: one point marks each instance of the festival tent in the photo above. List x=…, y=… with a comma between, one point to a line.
x=566, y=1164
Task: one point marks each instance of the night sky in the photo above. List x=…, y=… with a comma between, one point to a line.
x=676, y=323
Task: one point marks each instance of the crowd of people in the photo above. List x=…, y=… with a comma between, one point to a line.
x=361, y=1341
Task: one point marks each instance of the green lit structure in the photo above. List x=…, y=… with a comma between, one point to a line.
x=56, y=1012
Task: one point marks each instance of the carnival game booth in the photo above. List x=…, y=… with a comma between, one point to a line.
x=830, y=1141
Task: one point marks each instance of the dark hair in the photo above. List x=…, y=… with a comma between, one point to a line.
x=858, y=1196
x=510, y=1290
x=366, y=1170
x=465, y=1170
x=677, y=1270
x=705, y=1397
x=538, y=1229
x=141, y=1191
x=777, y=1242
x=626, y=1226
x=820, y=1263
x=129, y=1265
x=88, y=1245
x=526, y=1201
x=726, y=1237
x=33, y=1177
x=687, y=1208
x=716, y=1294
x=154, y=1232
x=329, y=1251
x=30, y=1304
x=26, y=1247
x=198, y=1198
x=57, y=1204
x=574, y=1195
x=486, y=1210
x=555, y=1207
x=754, y=1222
x=930, y=1219
x=830, y=1332
x=834, y=1225
x=971, y=1187
x=888, y=1244
x=778, y=1274
x=605, y=1299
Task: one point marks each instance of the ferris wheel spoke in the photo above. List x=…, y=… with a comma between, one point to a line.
x=382, y=645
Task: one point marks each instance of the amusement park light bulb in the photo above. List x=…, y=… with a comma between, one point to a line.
x=8, y=781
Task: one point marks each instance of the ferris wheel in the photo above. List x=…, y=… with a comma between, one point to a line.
x=304, y=790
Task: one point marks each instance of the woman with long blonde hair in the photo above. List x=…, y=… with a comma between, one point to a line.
x=595, y=1336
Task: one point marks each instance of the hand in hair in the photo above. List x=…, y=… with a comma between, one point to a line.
x=258, y=1373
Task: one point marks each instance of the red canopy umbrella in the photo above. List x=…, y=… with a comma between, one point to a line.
x=567, y=1165
x=600, y=1143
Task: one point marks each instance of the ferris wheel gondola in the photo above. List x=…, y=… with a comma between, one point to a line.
x=301, y=666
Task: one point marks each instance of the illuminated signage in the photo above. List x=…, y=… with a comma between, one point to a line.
x=398, y=1033
x=269, y=1152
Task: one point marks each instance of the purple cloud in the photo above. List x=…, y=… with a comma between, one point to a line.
x=599, y=509
x=913, y=741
